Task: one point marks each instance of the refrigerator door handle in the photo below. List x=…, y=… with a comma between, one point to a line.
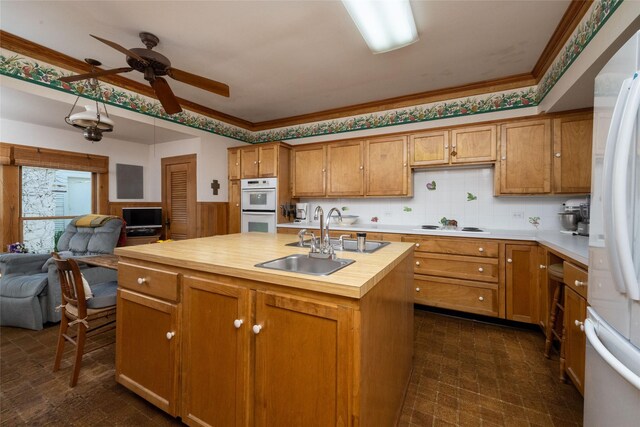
x=619, y=186
x=609, y=154
x=610, y=359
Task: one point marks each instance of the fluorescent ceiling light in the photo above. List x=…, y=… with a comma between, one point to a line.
x=384, y=24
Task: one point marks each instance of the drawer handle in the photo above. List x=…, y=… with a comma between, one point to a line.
x=558, y=155
x=579, y=283
x=481, y=298
x=417, y=262
x=170, y=335
x=542, y=266
x=480, y=269
x=417, y=245
x=509, y=260
x=256, y=329
x=417, y=289
x=481, y=249
x=142, y=280
x=579, y=324
x=237, y=323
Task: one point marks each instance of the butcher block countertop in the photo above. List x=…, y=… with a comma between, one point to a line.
x=237, y=254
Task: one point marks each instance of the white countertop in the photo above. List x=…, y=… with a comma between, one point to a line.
x=572, y=246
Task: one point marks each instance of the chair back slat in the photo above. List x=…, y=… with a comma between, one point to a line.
x=71, y=284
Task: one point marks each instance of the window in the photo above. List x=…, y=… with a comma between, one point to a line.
x=50, y=199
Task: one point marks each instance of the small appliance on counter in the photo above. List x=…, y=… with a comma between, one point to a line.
x=570, y=216
x=583, y=225
x=302, y=213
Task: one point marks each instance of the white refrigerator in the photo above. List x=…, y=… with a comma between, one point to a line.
x=612, y=327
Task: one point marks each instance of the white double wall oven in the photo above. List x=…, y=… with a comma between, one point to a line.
x=258, y=203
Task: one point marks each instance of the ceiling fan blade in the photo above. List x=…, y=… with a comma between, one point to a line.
x=95, y=74
x=124, y=50
x=198, y=81
x=165, y=96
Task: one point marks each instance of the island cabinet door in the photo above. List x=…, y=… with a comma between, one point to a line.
x=215, y=353
x=301, y=362
x=147, y=348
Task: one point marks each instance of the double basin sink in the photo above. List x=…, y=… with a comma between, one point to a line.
x=302, y=263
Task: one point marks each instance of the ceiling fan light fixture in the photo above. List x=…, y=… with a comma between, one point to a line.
x=385, y=25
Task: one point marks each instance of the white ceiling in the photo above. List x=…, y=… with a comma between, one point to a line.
x=30, y=108
x=286, y=58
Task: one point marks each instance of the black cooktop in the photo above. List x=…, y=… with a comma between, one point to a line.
x=437, y=227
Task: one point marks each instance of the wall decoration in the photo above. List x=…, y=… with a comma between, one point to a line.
x=535, y=221
x=406, y=209
x=345, y=208
x=471, y=197
x=431, y=186
x=129, y=181
x=375, y=219
x=215, y=186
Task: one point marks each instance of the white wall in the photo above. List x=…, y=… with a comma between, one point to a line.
x=449, y=199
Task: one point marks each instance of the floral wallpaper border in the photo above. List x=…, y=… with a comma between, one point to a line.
x=18, y=67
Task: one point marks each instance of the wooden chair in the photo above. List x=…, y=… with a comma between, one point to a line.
x=80, y=312
x=555, y=323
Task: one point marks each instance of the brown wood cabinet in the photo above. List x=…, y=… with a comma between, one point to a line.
x=544, y=299
x=387, y=170
x=575, y=312
x=234, y=206
x=309, y=171
x=572, y=141
x=249, y=162
x=525, y=158
x=267, y=161
x=429, y=148
x=147, y=348
x=345, y=169
x=216, y=334
x=476, y=144
x=522, y=282
x=233, y=163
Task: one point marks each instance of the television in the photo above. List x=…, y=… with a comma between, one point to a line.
x=140, y=218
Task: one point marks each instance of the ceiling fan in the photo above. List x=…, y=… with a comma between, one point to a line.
x=154, y=65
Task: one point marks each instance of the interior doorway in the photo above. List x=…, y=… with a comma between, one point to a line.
x=179, y=196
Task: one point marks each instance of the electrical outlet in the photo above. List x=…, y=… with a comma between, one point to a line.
x=387, y=213
x=518, y=215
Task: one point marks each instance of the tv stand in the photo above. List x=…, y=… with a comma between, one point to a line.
x=142, y=240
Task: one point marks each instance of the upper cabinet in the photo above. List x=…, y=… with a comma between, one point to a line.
x=261, y=161
x=471, y=144
x=572, y=140
x=386, y=167
x=525, y=158
x=309, y=170
x=376, y=167
x=345, y=169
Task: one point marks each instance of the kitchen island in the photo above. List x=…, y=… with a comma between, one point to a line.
x=205, y=335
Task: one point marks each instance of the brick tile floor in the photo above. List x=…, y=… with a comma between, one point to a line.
x=466, y=373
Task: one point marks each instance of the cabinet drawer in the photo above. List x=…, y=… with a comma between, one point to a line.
x=472, y=297
x=460, y=267
x=465, y=246
x=159, y=283
x=576, y=278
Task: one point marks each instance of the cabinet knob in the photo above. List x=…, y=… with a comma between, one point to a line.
x=417, y=245
x=481, y=249
x=256, y=329
x=509, y=260
x=446, y=147
x=417, y=262
x=259, y=161
x=579, y=283
x=557, y=154
x=579, y=324
x=237, y=323
x=361, y=167
x=237, y=205
x=480, y=298
x=170, y=335
x=142, y=280
x=542, y=266
x=417, y=289
x=480, y=269
x=504, y=157
x=237, y=163
x=324, y=170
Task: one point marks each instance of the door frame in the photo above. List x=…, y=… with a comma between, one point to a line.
x=192, y=186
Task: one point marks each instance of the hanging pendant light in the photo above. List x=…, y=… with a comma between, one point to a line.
x=94, y=120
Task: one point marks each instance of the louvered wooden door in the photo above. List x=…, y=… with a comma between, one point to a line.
x=179, y=197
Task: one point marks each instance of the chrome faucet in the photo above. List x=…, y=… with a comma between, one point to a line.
x=326, y=228
x=325, y=250
x=312, y=243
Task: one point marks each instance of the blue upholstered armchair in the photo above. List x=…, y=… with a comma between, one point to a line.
x=29, y=286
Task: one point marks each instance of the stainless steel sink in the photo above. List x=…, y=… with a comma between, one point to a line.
x=350, y=245
x=301, y=263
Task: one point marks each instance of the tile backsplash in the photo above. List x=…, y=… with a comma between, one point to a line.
x=465, y=195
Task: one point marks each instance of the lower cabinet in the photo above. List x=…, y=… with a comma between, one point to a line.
x=147, y=349
x=575, y=312
x=521, y=277
x=463, y=295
